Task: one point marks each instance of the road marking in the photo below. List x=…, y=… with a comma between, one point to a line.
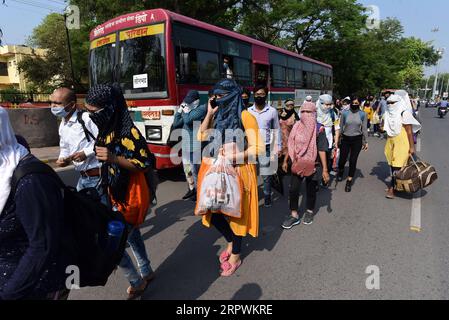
x=415, y=219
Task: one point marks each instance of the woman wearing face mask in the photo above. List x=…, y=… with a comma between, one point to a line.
x=287, y=118
x=346, y=104
x=225, y=113
x=400, y=126
x=354, y=135
x=307, y=146
x=125, y=156
x=326, y=116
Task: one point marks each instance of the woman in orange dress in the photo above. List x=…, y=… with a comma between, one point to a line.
x=228, y=114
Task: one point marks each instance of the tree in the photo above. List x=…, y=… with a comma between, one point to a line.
x=296, y=23
x=53, y=69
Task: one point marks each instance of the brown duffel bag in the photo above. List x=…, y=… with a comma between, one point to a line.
x=416, y=175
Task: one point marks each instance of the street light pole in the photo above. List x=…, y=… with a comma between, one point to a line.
x=435, y=83
x=70, y=50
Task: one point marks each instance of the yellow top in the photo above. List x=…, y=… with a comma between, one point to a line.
x=249, y=221
x=369, y=113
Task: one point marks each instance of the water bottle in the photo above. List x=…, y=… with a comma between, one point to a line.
x=115, y=232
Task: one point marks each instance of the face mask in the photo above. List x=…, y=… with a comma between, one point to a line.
x=60, y=112
x=246, y=101
x=355, y=107
x=260, y=101
x=346, y=107
x=101, y=117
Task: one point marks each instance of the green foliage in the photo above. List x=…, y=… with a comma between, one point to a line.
x=329, y=30
x=11, y=95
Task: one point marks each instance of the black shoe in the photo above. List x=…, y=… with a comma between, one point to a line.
x=268, y=203
x=348, y=187
x=291, y=222
x=189, y=194
x=340, y=178
x=193, y=198
x=308, y=218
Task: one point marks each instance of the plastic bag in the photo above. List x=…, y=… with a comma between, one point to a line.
x=336, y=158
x=220, y=190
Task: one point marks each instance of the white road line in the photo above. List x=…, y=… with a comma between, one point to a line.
x=415, y=219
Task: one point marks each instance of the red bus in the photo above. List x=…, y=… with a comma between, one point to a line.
x=157, y=56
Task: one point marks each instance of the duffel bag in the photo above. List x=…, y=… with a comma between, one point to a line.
x=416, y=175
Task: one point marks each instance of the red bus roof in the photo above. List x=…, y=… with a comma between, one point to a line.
x=149, y=16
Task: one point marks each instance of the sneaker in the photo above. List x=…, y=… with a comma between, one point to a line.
x=308, y=218
x=189, y=194
x=291, y=222
x=348, y=186
x=268, y=203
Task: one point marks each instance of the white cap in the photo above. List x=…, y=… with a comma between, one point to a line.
x=309, y=98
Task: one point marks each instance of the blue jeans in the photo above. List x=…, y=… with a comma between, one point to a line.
x=265, y=163
x=88, y=182
x=188, y=160
x=93, y=182
x=138, y=248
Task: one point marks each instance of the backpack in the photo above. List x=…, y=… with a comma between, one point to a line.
x=89, y=135
x=85, y=228
x=362, y=115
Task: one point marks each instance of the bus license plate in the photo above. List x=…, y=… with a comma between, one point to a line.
x=151, y=115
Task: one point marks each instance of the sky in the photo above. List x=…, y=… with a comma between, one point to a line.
x=419, y=17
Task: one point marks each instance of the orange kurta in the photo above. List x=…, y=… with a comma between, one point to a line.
x=249, y=221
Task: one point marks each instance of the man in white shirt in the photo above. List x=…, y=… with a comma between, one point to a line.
x=77, y=140
x=268, y=120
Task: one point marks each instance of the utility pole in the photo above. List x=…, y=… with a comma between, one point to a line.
x=427, y=88
x=435, y=84
x=70, y=50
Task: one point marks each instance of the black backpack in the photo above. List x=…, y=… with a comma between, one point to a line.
x=85, y=228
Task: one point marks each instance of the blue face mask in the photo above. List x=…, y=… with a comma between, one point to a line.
x=60, y=112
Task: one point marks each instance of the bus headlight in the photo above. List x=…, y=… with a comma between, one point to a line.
x=153, y=132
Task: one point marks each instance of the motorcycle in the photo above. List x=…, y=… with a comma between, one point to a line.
x=442, y=111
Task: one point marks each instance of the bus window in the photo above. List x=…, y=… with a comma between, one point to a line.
x=242, y=71
x=102, y=61
x=278, y=76
x=261, y=74
x=208, y=68
x=186, y=66
x=142, y=64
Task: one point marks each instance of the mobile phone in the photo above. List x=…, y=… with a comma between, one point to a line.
x=213, y=103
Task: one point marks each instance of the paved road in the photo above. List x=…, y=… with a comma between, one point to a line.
x=326, y=260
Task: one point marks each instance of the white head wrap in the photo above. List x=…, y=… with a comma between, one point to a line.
x=398, y=114
x=323, y=112
x=11, y=152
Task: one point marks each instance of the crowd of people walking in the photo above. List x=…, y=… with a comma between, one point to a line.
x=311, y=142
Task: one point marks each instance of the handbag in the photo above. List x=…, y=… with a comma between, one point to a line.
x=303, y=168
x=415, y=176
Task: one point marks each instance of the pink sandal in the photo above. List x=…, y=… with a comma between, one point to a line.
x=224, y=256
x=229, y=269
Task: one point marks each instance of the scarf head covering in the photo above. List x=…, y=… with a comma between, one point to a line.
x=324, y=112
x=229, y=114
x=398, y=114
x=287, y=114
x=11, y=152
x=302, y=146
x=117, y=132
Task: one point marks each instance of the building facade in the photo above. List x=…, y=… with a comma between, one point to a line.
x=10, y=56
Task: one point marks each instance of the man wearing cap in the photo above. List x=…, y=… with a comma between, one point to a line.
x=189, y=117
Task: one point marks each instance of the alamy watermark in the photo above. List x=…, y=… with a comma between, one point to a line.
x=373, y=20
x=373, y=280
x=72, y=17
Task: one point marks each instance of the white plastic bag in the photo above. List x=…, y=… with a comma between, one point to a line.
x=220, y=190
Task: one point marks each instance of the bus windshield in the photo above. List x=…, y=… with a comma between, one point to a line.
x=142, y=63
x=101, y=61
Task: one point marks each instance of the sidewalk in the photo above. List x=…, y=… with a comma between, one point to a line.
x=47, y=155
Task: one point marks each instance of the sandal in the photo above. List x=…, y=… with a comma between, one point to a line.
x=134, y=293
x=229, y=269
x=224, y=256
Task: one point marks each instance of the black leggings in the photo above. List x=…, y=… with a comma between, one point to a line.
x=311, y=189
x=393, y=176
x=350, y=146
x=219, y=221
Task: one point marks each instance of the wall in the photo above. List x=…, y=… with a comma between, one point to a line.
x=38, y=126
